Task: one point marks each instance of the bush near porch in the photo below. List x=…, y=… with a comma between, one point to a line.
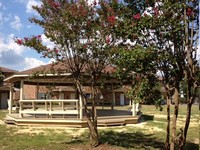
x=148, y=134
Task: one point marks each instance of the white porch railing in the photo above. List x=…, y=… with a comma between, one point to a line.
x=49, y=107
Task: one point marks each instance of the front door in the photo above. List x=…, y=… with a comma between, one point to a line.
x=121, y=99
x=4, y=102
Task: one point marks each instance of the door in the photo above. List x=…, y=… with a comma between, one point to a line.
x=121, y=99
x=4, y=102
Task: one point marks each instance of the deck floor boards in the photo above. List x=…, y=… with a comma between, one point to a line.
x=105, y=118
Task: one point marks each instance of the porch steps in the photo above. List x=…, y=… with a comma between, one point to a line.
x=9, y=120
x=117, y=120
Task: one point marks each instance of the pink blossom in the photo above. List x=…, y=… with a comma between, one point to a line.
x=138, y=77
x=111, y=20
x=56, y=51
x=19, y=41
x=55, y=5
x=189, y=12
x=108, y=40
x=137, y=17
x=156, y=12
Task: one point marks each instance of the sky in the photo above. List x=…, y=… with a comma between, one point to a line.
x=14, y=22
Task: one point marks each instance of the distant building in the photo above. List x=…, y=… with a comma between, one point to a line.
x=4, y=87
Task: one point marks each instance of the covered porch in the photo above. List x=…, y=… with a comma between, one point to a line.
x=106, y=117
x=67, y=113
x=60, y=110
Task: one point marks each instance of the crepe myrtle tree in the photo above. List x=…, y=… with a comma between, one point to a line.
x=137, y=64
x=123, y=33
x=80, y=32
x=131, y=59
x=175, y=34
x=171, y=29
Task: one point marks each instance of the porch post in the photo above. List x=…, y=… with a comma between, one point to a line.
x=113, y=98
x=21, y=89
x=59, y=94
x=133, y=108
x=11, y=99
x=37, y=91
x=80, y=107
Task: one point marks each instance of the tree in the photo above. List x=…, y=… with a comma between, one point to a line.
x=170, y=29
x=80, y=33
x=175, y=33
x=134, y=64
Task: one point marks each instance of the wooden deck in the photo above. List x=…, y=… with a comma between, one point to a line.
x=105, y=118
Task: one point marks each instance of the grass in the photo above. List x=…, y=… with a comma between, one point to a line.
x=148, y=134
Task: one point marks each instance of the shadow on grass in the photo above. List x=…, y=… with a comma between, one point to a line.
x=77, y=140
x=131, y=140
x=136, y=140
x=146, y=118
x=192, y=146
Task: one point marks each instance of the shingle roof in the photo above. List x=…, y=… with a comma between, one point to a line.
x=56, y=68
x=51, y=73
x=7, y=70
x=49, y=68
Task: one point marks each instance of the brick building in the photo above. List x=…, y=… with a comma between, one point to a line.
x=5, y=88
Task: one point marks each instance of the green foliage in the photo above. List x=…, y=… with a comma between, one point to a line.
x=1, y=78
x=138, y=65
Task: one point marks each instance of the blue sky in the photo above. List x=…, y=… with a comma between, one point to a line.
x=14, y=22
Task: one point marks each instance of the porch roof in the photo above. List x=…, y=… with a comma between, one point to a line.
x=51, y=73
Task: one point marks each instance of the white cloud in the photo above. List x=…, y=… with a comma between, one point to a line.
x=47, y=42
x=10, y=52
x=9, y=44
x=4, y=17
x=2, y=6
x=92, y=1
x=16, y=24
x=11, y=55
x=29, y=5
x=32, y=63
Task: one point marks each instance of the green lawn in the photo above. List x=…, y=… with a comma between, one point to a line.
x=148, y=134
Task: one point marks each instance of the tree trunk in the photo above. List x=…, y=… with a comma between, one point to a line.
x=167, y=143
x=182, y=138
x=175, y=115
x=90, y=117
x=190, y=99
x=94, y=138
